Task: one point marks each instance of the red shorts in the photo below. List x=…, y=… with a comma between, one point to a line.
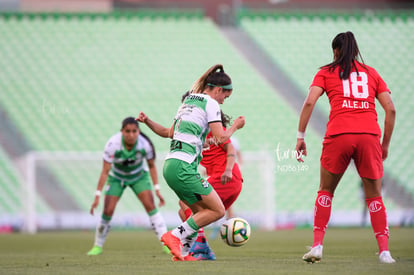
x=228, y=192
x=364, y=149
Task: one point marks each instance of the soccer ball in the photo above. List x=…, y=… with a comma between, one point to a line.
x=235, y=231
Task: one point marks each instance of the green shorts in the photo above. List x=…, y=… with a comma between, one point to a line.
x=185, y=180
x=115, y=187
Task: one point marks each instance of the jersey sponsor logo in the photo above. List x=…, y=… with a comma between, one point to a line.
x=128, y=162
x=196, y=97
x=324, y=201
x=375, y=206
x=120, y=159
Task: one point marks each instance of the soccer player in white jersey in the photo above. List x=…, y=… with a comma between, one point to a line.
x=199, y=113
x=123, y=166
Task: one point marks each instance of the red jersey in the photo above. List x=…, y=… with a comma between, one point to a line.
x=215, y=159
x=352, y=100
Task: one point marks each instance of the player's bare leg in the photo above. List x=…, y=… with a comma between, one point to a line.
x=103, y=226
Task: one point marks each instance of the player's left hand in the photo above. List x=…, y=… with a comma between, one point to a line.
x=384, y=151
x=94, y=205
x=142, y=117
x=300, y=149
x=226, y=177
x=160, y=197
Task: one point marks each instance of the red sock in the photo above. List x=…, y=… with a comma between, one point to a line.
x=323, y=205
x=379, y=222
x=187, y=213
x=201, y=238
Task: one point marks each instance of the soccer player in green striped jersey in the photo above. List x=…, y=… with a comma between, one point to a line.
x=199, y=113
x=123, y=166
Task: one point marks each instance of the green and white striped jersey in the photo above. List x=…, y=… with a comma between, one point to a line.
x=191, y=126
x=128, y=165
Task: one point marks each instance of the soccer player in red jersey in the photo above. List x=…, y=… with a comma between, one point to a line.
x=222, y=170
x=352, y=133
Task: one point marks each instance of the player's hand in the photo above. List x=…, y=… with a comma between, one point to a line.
x=226, y=177
x=300, y=149
x=384, y=152
x=142, y=117
x=94, y=205
x=210, y=141
x=240, y=121
x=160, y=197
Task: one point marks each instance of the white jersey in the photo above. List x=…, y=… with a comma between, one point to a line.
x=128, y=165
x=191, y=126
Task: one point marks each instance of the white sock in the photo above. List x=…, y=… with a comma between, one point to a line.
x=158, y=224
x=188, y=243
x=101, y=231
x=187, y=235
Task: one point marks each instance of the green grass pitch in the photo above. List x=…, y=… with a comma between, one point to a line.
x=346, y=251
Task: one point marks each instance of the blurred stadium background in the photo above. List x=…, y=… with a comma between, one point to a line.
x=72, y=70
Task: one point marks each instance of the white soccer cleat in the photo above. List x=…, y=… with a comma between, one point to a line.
x=314, y=255
x=385, y=258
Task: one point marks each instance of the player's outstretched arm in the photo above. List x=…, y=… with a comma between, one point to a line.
x=154, y=126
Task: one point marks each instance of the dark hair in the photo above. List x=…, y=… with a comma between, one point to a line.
x=215, y=76
x=184, y=96
x=348, y=53
x=150, y=143
x=129, y=120
x=225, y=119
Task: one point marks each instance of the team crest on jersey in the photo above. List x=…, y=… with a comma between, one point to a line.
x=138, y=157
x=204, y=183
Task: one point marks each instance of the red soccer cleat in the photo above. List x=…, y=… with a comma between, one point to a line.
x=174, y=244
x=187, y=258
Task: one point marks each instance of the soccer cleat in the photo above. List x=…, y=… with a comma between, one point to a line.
x=314, y=255
x=174, y=244
x=385, y=257
x=202, y=251
x=96, y=250
x=188, y=258
x=205, y=257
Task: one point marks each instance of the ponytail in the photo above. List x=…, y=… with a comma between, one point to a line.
x=348, y=54
x=215, y=76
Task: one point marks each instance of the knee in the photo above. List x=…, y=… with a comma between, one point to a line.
x=108, y=212
x=221, y=211
x=149, y=207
